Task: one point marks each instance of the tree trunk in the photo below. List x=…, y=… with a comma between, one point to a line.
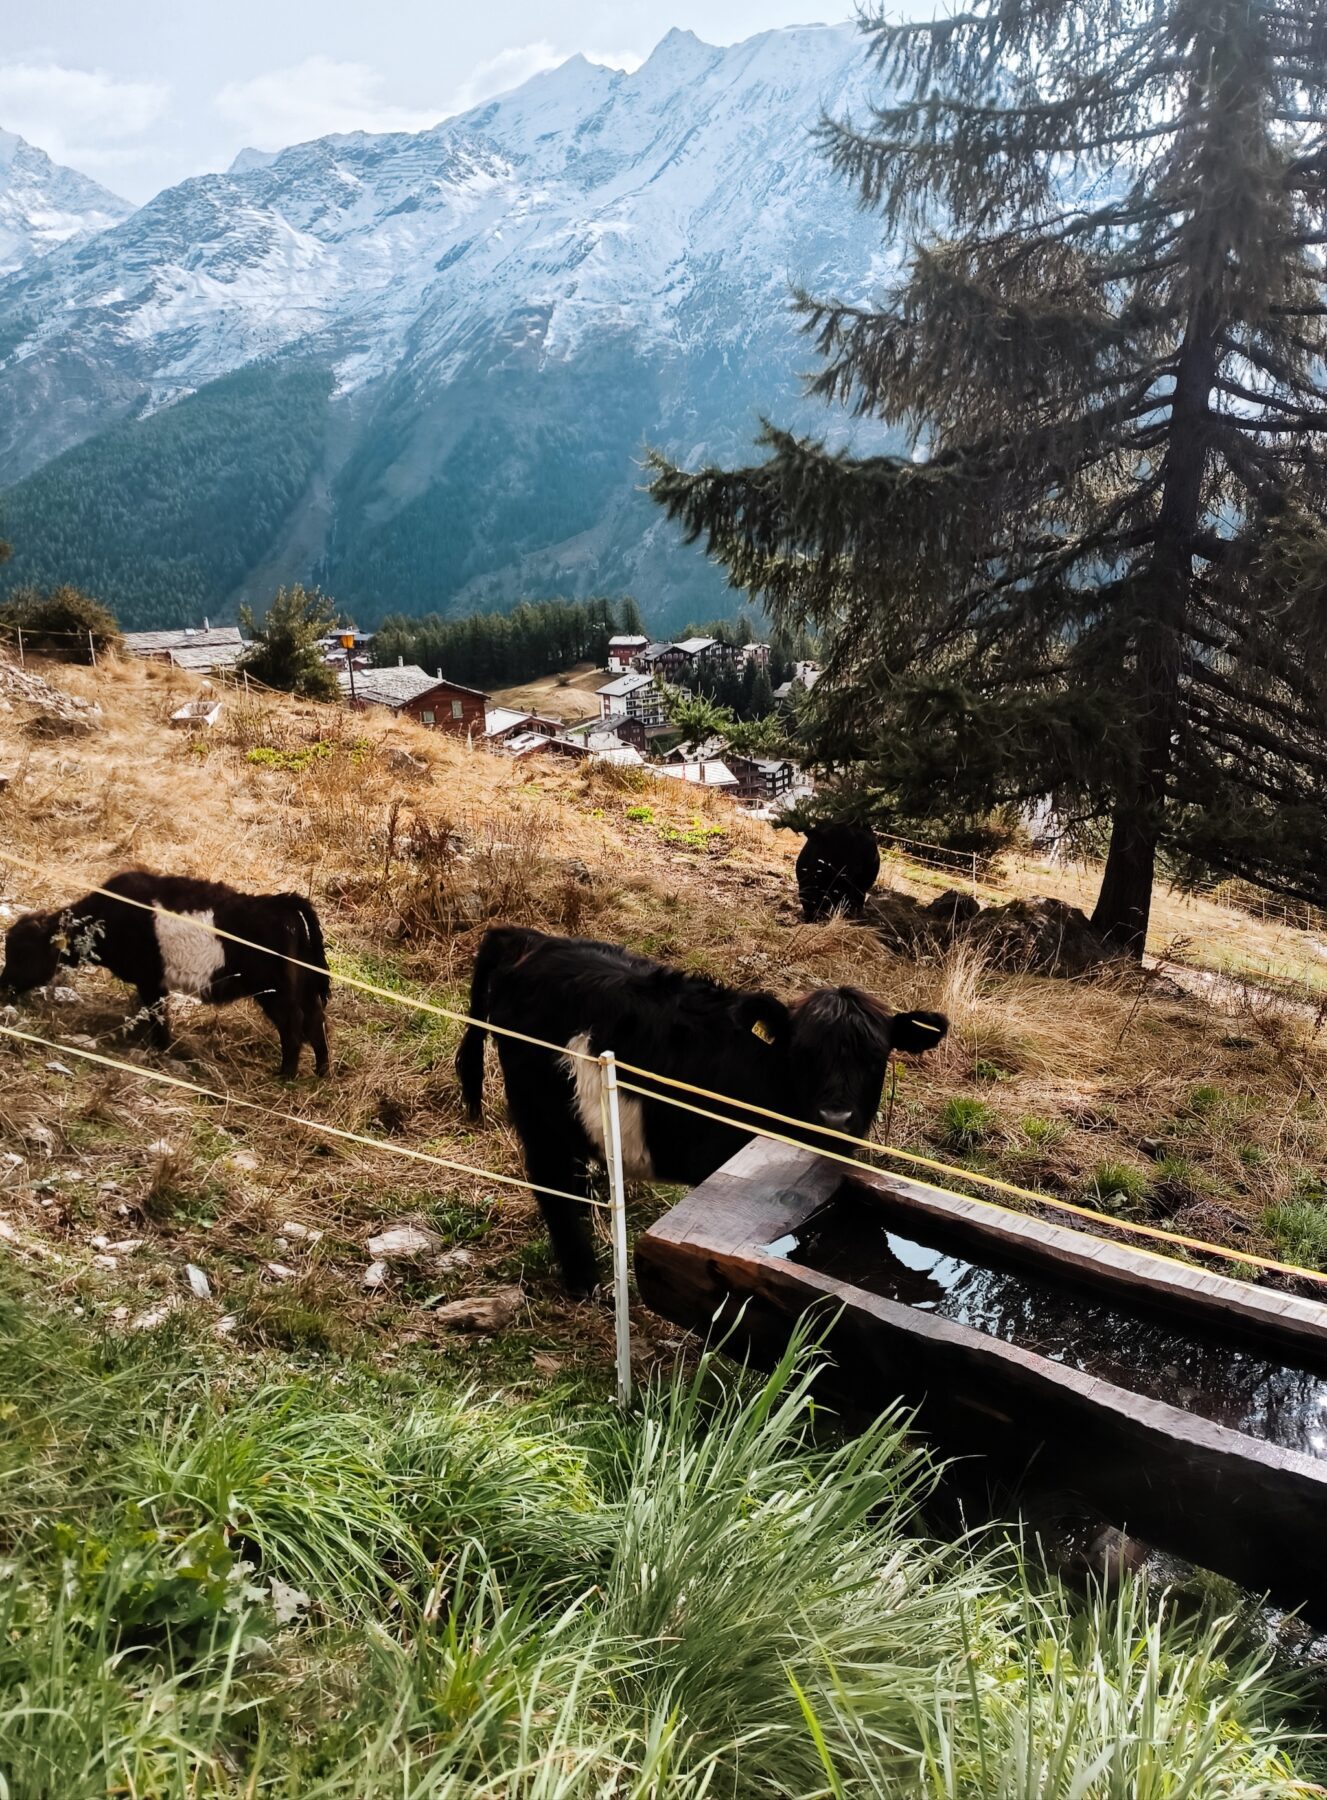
x=1124, y=903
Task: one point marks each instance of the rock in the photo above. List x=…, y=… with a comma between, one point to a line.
x=375, y=1276
x=225, y=1325
x=482, y=1312
x=288, y=1602
x=126, y=1246
x=300, y=1234
x=403, y=1242
x=64, y=996
x=199, y=1286
x=59, y=1068
x=281, y=1271
x=244, y=1160
x=154, y=1316
x=460, y=1258
x=161, y=1148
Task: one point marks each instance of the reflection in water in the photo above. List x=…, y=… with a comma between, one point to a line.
x=1226, y=1382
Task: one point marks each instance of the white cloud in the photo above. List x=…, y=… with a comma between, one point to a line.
x=317, y=96
x=499, y=74
x=79, y=116
x=509, y=68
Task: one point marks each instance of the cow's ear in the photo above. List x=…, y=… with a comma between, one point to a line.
x=917, y=1031
x=764, y=1017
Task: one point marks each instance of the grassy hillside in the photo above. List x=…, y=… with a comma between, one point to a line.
x=298, y=1537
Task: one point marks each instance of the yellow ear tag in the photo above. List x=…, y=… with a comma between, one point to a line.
x=61, y=940
x=761, y=1030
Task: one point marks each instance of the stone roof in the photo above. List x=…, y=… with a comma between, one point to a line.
x=152, y=643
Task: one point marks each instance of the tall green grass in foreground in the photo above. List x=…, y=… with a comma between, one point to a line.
x=231, y=1582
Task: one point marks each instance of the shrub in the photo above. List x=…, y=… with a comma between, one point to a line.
x=1042, y=1134
x=58, y=622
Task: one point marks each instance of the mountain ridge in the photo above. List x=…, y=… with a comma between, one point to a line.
x=509, y=306
x=44, y=205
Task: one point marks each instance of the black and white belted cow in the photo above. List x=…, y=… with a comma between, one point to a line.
x=165, y=944
x=821, y=1060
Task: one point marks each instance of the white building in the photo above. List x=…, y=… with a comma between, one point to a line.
x=635, y=696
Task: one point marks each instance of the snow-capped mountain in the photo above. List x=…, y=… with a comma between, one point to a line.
x=43, y=205
x=502, y=312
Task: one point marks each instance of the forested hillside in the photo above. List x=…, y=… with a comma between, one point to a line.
x=163, y=517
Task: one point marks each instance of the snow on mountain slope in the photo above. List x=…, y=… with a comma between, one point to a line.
x=595, y=260
x=43, y=205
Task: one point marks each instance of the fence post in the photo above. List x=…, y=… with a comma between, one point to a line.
x=975, y=894
x=21, y=663
x=92, y=649
x=612, y=1128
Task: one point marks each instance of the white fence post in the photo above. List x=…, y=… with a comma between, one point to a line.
x=92, y=650
x=618, y=1218
x=21, y=663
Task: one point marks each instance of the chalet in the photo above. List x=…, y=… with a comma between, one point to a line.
x=203, y=651
x=711, y=774
x=805, y=675
x=428, y=699
x=625, y=727
x=706, y=750
x=761, y=779
x=638, y=696
x=502, y=723
x=623, y=651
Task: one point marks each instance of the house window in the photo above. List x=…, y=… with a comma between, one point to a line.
x=456, y=709
x=426, y=717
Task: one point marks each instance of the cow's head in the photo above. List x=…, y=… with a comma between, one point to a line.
x=838, y=1048
x=34, y=945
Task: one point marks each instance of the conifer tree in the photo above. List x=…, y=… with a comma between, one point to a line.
x=284, y=652
x=1098, y=569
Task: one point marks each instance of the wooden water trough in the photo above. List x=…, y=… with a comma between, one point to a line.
x=1186, y=1407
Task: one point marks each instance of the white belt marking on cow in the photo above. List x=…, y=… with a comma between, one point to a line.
x=588, y=1080
x=190, y=953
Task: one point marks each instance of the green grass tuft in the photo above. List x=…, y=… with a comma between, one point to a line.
x=965, y=1123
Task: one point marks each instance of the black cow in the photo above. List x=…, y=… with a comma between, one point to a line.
x=836, y=870
x=822, y=1060
x=161, y=953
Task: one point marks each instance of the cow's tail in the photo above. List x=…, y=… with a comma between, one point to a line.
x=316, y=950
x=501, y=946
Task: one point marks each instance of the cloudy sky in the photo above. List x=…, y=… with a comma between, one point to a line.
x=141, y=93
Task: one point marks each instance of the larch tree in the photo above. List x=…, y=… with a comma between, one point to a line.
x=1097, y=569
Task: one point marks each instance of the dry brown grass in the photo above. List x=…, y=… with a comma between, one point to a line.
x=411, y=843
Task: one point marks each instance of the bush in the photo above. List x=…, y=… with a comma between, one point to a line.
x=1298, y=1228
x=58, y=622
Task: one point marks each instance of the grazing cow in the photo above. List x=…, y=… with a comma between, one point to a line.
x=169, y=949
x=836, y=870
x=822, y=1060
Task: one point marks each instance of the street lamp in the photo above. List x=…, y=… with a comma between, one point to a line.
x=348, y=645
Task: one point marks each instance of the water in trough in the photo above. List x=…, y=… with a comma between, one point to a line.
x=1227, y=1380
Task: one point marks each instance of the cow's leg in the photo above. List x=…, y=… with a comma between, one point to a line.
x=315, y=1034
x=568, y=1221
x=288, y=1017
x=152, y=1000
